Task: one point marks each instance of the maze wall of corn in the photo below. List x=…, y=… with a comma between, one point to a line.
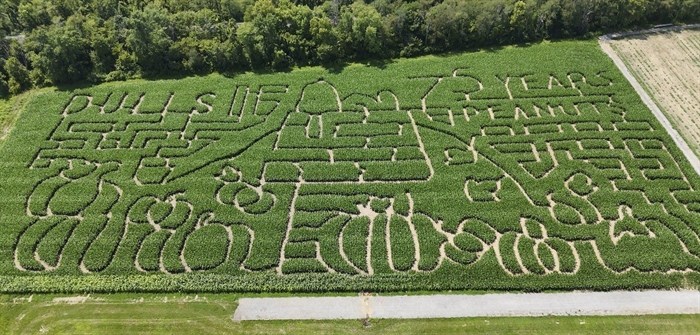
x=527, y=168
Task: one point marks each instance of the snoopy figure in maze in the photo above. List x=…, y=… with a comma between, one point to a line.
x=327, y=140
x=341, y=180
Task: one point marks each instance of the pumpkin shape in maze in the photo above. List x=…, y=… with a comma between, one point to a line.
x=526, y=168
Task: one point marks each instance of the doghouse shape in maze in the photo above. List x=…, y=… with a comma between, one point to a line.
x=356, y=139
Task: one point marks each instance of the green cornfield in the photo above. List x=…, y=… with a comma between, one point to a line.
x=525, y=168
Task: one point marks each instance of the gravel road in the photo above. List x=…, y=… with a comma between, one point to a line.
x=483, y=305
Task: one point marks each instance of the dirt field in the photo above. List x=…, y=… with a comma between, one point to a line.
x=668, y=65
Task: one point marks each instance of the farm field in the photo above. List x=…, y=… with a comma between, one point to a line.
x=211, y=314
x=10, y=110
x=668, y=65
x=527, y=168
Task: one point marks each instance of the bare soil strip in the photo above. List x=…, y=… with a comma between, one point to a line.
x=457, y=306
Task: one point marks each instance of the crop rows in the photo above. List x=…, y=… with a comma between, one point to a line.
x=489, y=171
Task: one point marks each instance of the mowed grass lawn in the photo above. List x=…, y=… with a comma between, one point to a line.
x=211, y=314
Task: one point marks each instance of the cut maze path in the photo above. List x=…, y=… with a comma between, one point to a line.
x=449, y=173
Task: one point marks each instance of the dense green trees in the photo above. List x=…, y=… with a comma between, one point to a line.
x=18, y=76
x=65, y=41
x=60, y=53
x=362, y=31
x=276, y=34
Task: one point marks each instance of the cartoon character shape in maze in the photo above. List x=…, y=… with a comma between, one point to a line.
x=92, y=151
x=357, y=139
x=368, y=234
x=341, y=183
x=125, y=141
x=608, y=178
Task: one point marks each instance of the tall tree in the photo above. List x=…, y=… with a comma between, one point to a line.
x=325, y=37
x=60, y=53
x=35, y=13
x=148, y=39
x=18, y=76
x=277, y=35
x=362, y=31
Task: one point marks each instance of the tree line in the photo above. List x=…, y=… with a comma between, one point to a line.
x=55, y=42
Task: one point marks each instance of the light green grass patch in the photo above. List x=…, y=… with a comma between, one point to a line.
x=211, y=314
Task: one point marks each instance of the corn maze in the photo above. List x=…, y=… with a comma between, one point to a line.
x=526, y=169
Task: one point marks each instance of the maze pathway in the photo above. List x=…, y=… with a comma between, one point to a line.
x=426, y=175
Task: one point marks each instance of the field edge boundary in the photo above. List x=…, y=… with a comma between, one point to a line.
x=649, y=102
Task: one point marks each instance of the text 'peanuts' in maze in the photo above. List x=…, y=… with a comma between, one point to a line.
x=526, y=174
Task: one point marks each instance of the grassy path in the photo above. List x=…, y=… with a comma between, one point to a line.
x=211, y=314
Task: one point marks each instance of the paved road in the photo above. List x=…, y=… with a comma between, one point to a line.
x=680, y=142
x=453, y=306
